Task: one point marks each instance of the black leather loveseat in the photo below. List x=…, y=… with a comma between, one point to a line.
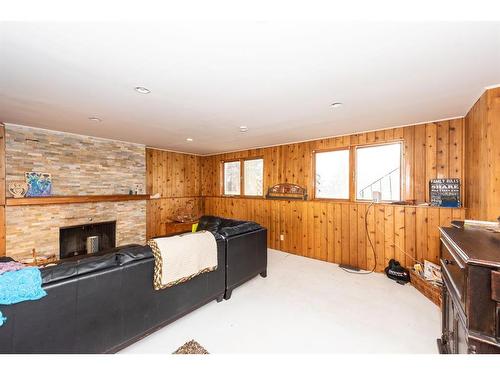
x=102, y=303
x=245, y=246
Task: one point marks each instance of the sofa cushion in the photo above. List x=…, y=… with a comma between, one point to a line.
x=210, y=223
x=241, y=228
x=133, y=253
x=83, y=265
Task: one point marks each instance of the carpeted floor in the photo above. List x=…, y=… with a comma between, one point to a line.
x=191, y=347
x=307, y=306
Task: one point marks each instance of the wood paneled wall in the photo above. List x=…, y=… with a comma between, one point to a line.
x=176, y=177
x=335, y=231
x=482, y=150
x=431, y=150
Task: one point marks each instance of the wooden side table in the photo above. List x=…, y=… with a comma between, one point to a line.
x=175, y=227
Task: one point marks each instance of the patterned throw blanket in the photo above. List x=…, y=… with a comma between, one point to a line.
x=180, y=258
x=20, y=285
x=10, y=266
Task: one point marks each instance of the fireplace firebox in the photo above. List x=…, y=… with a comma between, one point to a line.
x=75, y=240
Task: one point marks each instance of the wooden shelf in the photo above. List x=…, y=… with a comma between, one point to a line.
x=69, y=199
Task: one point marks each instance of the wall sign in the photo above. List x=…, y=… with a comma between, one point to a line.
x=286, y=191
x=445, y=192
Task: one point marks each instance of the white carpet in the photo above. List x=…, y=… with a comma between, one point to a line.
x=307, y=306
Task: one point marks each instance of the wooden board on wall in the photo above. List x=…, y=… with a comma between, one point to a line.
x=429, y=150
x=172, y=174
x=177, y=178
x=335, y=231
x=482, y=161
x=326, y=230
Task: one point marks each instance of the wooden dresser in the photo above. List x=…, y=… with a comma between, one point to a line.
x=470, y=261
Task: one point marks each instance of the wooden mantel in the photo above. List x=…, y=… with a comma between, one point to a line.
x=68, y=199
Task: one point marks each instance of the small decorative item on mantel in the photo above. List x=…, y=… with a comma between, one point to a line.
x=40, y=184
x=18, y=189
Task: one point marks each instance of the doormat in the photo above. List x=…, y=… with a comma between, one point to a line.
x=191, y=347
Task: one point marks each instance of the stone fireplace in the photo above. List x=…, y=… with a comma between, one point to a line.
x=79, y=166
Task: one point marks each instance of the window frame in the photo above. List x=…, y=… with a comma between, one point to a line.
x=315, y=197
x=242, y=177
x=244, y=194
x=401, y=169
x=223, y=187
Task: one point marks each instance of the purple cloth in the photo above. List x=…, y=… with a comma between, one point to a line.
x=10, y=266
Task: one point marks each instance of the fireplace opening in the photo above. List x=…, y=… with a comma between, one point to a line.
x=87, y=238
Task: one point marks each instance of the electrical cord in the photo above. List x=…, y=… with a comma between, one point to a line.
x=373, y=249
x=371, y=245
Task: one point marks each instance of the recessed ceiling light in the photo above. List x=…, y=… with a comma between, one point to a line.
x=189, y=139
x=95, y=119
x=337, y=105
x=142, y=90
x=243, y=128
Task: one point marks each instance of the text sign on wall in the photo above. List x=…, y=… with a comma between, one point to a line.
x=445, y=192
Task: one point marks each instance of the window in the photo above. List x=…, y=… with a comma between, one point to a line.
x=253, y=176
x=332, y=174
x=378, y=168
x=232, y=180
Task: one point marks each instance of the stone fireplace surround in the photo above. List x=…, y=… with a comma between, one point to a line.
x=79, y=165
x=37, y=227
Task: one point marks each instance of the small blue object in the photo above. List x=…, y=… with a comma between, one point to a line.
x=2, y=319
x=21, y=285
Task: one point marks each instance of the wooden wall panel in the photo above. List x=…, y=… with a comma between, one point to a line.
x=429, y=151
x=172, y=174
x=160, y=211
x=482, y=157
x=335, y=231
x=177, y=178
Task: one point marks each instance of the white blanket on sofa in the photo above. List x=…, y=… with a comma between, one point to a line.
x=180, y=258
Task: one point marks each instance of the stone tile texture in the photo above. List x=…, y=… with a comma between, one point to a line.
x=79, y=165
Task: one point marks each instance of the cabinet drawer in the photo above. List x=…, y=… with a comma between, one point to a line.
x=495, y=286
x=455, y=269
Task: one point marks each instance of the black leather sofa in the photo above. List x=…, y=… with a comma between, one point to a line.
x=104, y=302
x=245, y=246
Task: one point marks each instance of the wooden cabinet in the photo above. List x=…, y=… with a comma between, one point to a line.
x=470, y=262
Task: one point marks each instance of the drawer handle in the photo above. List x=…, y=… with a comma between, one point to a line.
x=447, y=261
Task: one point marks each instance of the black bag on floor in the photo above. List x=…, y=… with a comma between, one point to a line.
x=397, y=272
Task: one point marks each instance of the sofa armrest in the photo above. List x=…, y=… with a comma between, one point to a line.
x=245, y=227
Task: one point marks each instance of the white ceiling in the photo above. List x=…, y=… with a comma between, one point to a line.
x=207, y=78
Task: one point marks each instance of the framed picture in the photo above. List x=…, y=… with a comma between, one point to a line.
x=39, y=184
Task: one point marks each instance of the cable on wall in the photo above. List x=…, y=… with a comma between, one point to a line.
x=360, y=272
